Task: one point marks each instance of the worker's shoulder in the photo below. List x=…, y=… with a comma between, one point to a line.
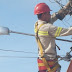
x=48, y=24
x=45, y=27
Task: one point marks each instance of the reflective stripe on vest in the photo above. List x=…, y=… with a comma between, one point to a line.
x=42, y=32
x=58, y=31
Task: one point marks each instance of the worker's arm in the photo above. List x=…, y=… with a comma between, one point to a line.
x=55, y=31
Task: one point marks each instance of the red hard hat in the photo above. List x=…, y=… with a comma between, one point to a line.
x=41, y=8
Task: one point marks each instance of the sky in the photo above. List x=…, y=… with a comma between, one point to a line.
x=18, y=53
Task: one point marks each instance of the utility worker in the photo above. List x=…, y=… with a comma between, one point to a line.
x=46, y=33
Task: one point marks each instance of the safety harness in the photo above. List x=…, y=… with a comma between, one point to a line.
x=45, y=63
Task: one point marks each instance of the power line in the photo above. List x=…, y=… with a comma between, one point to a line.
x=16, y=57
x=17, y=51
x=58, y=2
x=67, y=21
x=22, y=33
x=65, y=24
x=34, y=35
x=52, y=1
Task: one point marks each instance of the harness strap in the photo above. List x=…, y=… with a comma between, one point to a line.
x=41, y=50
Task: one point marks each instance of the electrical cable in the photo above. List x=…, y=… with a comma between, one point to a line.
x=67, y=22
x=51, y=1
x=64, y=24
x=34, y=35
x=17, y=51
x=54, y=1
x=16, y=57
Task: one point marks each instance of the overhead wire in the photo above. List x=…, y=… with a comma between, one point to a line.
x=17, y=51
x=16, y=57
x=66, y=21
x=69, y=18
x=52, y=1
x=34, y=35
x=58, y=2
x=65, y=24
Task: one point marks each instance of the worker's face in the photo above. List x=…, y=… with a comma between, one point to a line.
x=47, y=16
